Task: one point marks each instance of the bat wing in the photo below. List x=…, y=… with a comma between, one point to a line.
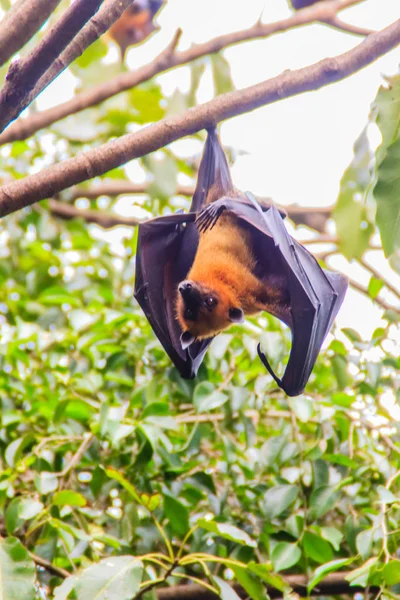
x=311, y=296
x=165, y=253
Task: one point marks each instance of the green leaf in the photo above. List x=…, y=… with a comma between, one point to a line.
x=332, y=535
x=322, y=500
x=226, y=591
x=317, y=548
x=177, y=514
x=386, y=496
x=113, y=578
x=353, y=228
x=391, y=572
x=285, y=555
x=361, y=575
x=206, y=398
x=221, y=74
x=46, y=482
x=321, y=572
x=263, y=571
x=69, y=498
x=29, y=508
x=113, y=474
x=374, y=287
x=254, y=588
x=386, y=110
x=229, y=532
x=339, y=365
x=364, y=542
x=278, y=499
x=17, y=571
x=94, y=53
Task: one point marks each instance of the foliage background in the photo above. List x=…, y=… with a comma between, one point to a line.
x=107, y=455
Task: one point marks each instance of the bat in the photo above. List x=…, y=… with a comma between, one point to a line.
x=135, y=24
x=166, y=251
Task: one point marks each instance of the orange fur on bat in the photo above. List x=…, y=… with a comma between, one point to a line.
x=223, y=286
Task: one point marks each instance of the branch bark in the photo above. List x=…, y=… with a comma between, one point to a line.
x=334, y=584
x=168, y=59
x=18, y=28
x=92, y=163
x=23, y=74
x=315, y=218
x=108, y=13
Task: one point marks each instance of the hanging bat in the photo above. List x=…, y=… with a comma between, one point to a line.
x=199, y=272
x=135, y=24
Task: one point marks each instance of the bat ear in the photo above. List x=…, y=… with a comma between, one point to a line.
x=236, y=315
x=187, y=339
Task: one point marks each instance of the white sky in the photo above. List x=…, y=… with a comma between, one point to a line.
x=297, y=149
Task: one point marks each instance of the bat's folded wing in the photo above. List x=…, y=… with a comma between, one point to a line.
x=164, y=255
x=315, y=298
x=314, y=294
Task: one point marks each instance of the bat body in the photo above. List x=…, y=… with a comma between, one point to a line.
x=222, y=286
x=294, y=287
x=135, y=24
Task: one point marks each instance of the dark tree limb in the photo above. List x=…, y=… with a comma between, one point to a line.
x=334, y=584
x=168, y=59
x=108, y=13
x=23, y=74
x=111, y=155
x=22, y=24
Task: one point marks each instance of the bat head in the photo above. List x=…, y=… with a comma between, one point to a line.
x=203, y=312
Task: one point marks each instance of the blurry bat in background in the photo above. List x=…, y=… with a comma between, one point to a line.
x=196, y=273
x=135, y=24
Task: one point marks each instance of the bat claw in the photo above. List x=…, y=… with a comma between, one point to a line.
x=208, y=217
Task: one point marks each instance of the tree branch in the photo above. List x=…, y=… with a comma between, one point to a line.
x=22, y=24
x=379, y=276
x=165, y=61
x=315, y=218
x=334, y=584
x=348, y=27
x=46, y=564
x=23, y=74
x=103, y=219
x=98, y=161
x=108, y=13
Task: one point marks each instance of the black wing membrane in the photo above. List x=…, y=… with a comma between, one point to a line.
x=165, y=252
x=315, y=295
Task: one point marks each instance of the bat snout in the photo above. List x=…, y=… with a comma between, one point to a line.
x=186, y=289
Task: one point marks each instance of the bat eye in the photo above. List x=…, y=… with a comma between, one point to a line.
x=210, y=302
x=189, y=315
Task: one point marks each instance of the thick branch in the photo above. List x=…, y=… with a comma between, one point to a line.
x=108, y=13
x=96, y=162
x=168, y=59
x=22, y=24
x=23, y=74
x=334, y=584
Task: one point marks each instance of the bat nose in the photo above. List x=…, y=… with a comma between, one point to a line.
x=185, y=288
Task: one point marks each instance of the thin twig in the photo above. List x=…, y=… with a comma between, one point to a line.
x=378, y=275
x=46, y=564
x=98, y=161
x=168, y=59
x=77, y=456
x=338, y=23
